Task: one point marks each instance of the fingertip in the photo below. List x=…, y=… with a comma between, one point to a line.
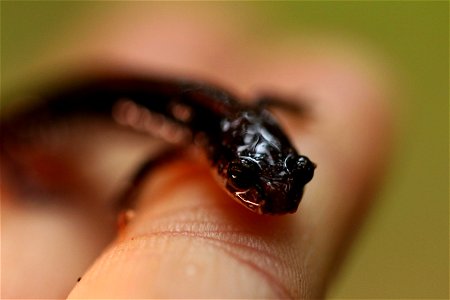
x=193, y=241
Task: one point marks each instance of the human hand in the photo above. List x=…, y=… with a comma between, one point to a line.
x=188, y=238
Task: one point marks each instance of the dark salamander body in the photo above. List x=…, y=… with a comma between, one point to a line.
x=252, y=156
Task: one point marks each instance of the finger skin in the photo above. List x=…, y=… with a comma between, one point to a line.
x=189, y=239
x=193, y=242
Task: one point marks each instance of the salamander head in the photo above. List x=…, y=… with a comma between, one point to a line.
x=274, y=191
x=265, y=172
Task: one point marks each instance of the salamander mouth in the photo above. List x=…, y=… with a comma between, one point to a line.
x=250, y=200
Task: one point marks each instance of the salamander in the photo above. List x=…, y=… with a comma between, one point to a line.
x=252, y=156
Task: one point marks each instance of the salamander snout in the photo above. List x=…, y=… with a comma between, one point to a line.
x=272, y=190
x=283, y=194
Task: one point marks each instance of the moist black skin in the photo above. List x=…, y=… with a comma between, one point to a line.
x=256, y=162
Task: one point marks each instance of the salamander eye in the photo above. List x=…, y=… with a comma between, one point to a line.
x=291, y=162
x=301, y=166
x=242, y=174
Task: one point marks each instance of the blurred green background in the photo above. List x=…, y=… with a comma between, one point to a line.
x=402, y=251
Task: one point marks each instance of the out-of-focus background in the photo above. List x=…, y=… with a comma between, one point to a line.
x=402, y=251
